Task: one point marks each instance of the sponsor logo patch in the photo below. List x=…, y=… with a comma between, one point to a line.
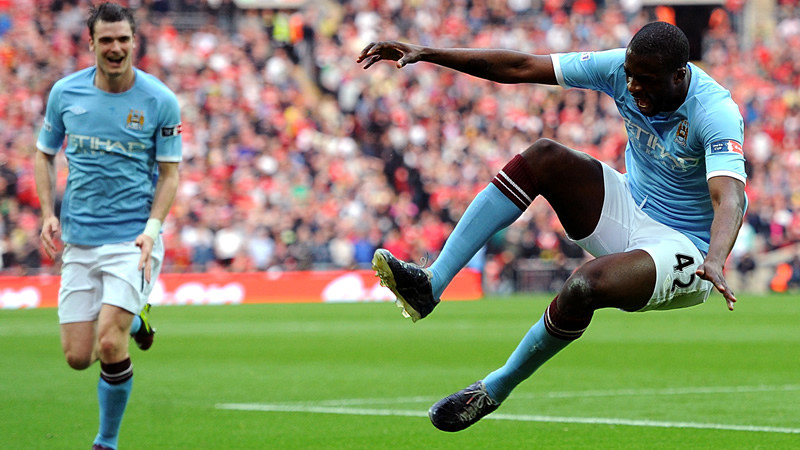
x=726, y=145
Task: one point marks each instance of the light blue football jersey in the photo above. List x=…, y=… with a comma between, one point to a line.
x=113, y=144
x=669, y=157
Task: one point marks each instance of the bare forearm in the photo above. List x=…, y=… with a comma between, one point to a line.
x=44, y=172
x=724, y=230
x=502, y=66
x=166, y=189
x=727, y=196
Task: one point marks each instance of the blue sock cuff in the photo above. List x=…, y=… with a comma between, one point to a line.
x=136, y=325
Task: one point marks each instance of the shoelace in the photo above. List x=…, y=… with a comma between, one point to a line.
x=423, y=261
x=417, y=272
x=478, y=400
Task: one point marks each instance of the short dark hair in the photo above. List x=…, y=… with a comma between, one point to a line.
x=665, y=40
x=109, y=12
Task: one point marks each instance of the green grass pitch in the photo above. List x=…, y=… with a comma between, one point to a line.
x=359, y=376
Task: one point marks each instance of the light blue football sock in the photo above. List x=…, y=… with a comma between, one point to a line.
x=112, y=398
x=136, y=324
x=489, y=212
x=534, y=350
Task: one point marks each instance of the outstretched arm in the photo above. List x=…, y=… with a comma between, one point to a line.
x=727, y=197
x=502, y=66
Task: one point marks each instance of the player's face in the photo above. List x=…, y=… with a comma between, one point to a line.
x=112, y=45
x=654, y=89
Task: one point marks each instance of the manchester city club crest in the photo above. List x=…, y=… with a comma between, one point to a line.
x=683, y=133
x=135, y=120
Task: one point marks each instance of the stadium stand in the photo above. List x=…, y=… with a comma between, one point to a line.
x=296, y=159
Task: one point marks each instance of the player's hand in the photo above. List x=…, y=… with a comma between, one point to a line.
x=51, y=232
x=391, y=51
x=713, y=273
x=145, y=243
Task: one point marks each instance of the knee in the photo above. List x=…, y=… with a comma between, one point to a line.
x=543, y=151
x=546, y=156
x=109, y=347
x=78, y=361
x=581, y=293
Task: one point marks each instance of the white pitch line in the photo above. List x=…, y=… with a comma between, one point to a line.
x=701, y=390
x=667, y=391
x=519, y=418
x=320, y=410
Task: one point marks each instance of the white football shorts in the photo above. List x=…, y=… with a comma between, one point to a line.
x=92, y=276
x=624, y=227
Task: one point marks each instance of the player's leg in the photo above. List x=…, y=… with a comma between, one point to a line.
x=142, y=331
x=617, y=278
x=570, y=180
x=78, y=307
x=78, y=343
x=657, y=272
x=125, y=293
x=654, y=268
x=116, y=374
x=623, y=280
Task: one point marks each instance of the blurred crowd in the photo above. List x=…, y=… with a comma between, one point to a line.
x=295, y=158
